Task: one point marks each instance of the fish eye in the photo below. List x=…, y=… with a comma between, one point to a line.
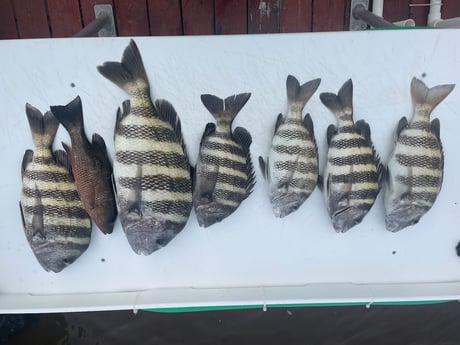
x=160, y=241
x=66, y=261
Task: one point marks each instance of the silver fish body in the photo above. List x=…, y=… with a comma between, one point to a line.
x=291, y=168
x=151, y=170
x=55, y=222
x=224, y=175
x=352, y=174
x=415, y=167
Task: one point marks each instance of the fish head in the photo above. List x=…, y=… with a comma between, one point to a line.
x=284, y=204
x=148, y=234
x=404, y=214
x=211, y=213
x=56, y=256
x=105, y=218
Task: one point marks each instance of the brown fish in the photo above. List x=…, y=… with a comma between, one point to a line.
x=91, y=166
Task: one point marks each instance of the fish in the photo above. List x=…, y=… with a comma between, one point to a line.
x=55, y=223
x=224, y=174
x=91, y=166
x=152, y=174
x=415, y=167
x=353, y=173
x=291, y=168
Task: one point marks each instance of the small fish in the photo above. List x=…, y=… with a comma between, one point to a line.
x=151, y=170
x=353, y=170
x=224, y=173
x=55, y=222
x=414, y=172
x=91, y=166
x=291, y=169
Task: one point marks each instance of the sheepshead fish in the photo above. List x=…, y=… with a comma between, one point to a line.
x=352, y=175
x=291, y=169
x=414, y=172
x=91, y=166
x=224, y=173
x=151, y=170
x=55, y=222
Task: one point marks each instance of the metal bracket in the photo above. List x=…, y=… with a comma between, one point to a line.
x=103, y=25
x=355, y=23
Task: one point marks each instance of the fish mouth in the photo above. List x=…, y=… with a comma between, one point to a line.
x=404, y=217
x=283, y=205
x=55, y=257
x=347, y=217
x=211, y=213
x=149, y=235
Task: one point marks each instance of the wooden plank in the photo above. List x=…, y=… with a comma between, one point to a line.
x=396, y=10
x=296, y=16
x=198, y=17
x=132, y=17
x=31, y=18
x=450, y=9
x=419, y=13
x=263, y=16
x=87, y=9
x=64, y=16
x=328, y=15
x=8, y=25
x=165, y=17
x=231, y=16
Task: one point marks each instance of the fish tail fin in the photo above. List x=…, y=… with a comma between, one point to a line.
x=43, y=127
x=225, y=109
x=70, y=115
x=130, y=74
x=426, y=97
x=342, y=103
x=300, y=94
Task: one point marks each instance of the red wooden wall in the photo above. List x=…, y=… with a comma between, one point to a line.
x=64, y=18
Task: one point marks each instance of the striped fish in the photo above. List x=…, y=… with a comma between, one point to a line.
x=224, y=173
x=91, y=166
x=291, y=169
x=414, y=172
x=352, y=175
x=55, y=222
x=151, y=170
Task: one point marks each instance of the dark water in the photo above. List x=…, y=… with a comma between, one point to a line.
x=437, y=324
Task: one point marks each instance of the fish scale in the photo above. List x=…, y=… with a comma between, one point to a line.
x=352, y=174
x=291, y=168
x=55, y=222
x=415, y=167
x=224, y=174
x=151, y=170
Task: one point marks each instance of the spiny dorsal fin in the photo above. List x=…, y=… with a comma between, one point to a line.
x=300, y=94
x=26, y=160
x=70, y=115
x=130, y=72
x=62, y=158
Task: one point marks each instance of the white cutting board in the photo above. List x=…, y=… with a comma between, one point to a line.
x=251, y=248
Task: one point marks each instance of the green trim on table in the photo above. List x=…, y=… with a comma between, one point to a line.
x=261, y=306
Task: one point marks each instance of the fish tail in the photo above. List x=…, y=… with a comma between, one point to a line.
x=429, y=98
x=130, y=74
x=43, y=127
x=342, y=103
x=70, y=115
x=225, y=109
x=300, y=94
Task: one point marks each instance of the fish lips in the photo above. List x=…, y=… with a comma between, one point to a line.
x=149, y=235
x=346, y=218
x=285, y=204
x=57, y=256
x=403, y=217
x=211, y=213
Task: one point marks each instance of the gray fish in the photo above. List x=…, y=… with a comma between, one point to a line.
x=291, y=169
x=352, y=175
x=415, y=167
x=91, y=166
x=55, y=222
x=151, y=170
x=224, y=173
